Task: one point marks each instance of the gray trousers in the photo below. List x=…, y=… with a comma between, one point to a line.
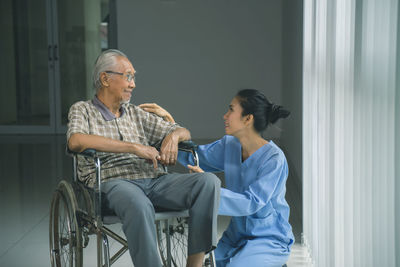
x=135, y=201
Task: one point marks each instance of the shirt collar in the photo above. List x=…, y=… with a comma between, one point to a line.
x=105, y=112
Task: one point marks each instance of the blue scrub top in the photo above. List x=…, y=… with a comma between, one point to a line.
x=255, y=189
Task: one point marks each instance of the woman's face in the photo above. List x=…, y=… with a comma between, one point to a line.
x=234, y=122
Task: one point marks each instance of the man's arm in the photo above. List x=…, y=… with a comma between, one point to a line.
x=79, y=137
x=169, y=146
x=169, y=151
x=78, y=142
x=168, y=134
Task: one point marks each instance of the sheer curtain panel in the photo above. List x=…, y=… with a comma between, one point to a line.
x=350, y=124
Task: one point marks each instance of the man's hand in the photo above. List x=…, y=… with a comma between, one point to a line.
x=148, y=152
x=169, y=149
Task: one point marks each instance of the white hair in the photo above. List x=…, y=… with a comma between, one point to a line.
x=105, y=61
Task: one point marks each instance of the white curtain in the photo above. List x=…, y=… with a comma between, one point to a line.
x=349, y=126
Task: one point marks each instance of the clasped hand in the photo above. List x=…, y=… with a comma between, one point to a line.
x=167, y=155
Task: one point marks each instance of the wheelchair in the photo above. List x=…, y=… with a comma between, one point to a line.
x=78, y=212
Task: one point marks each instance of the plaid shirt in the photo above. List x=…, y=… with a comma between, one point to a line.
x=134, y=125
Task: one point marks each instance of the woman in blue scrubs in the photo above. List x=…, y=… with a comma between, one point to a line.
x=259, y=234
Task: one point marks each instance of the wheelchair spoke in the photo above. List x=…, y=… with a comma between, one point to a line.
x=178, y=232
x=179, y=246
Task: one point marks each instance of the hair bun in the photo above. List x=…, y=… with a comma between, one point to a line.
x=277, y=112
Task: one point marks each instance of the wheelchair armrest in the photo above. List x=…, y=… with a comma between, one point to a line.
x=187, y=145
x=90, y=152
x=184, y=145
x=191, y=147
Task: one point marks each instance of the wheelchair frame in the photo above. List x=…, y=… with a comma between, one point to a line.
x=68, y=237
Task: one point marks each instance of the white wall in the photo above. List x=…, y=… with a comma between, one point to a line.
x=193, y=56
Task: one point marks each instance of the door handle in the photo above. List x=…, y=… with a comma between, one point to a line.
x=55, y=50
x=49, y=52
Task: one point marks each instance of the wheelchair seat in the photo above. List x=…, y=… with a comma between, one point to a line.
x=159, y=216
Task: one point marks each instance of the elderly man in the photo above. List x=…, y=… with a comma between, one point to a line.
x=134, y=182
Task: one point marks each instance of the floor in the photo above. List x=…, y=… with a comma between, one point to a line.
x=30, y=169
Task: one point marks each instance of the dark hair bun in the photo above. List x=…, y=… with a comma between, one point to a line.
x=264, y=112
x=277, y=112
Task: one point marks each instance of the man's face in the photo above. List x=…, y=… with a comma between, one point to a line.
x=120, y=88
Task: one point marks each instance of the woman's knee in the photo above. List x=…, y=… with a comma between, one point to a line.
x=257, y=257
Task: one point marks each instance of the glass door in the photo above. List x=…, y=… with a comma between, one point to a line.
x=25, y=69
x=48, y=49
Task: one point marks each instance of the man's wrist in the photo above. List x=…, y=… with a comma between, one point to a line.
x=174, y=136
x=134, y=147
x=183, y=134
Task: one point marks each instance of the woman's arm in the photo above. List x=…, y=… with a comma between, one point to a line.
x=211, y=157
x=159, y=111
x=258, y=194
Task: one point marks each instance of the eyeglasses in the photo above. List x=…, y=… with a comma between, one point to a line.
x=129, y=76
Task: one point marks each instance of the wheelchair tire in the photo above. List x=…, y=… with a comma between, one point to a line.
x=178, y=234
x=65, y=233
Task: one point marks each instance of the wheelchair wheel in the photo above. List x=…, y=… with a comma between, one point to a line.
x=178, y=234
x=65, y=234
